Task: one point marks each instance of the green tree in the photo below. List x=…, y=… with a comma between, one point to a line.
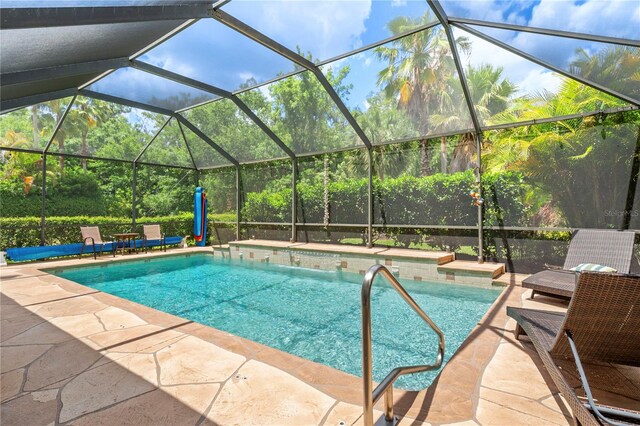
x=85, y=115
x=491, y=94
x=51, y=116
x=616, y=67
x=417, y=74
x=306, y=117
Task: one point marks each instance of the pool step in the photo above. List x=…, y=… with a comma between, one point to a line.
x=222, y=250
x=417, y=265
x=469, y=267
x=439, y=257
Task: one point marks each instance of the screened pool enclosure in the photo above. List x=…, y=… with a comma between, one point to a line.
x=355, y=122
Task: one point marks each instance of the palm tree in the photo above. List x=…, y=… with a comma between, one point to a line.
x=491, y=94
x=617, y=67
x=53, y=112
x=417, y=71
x=86, y=115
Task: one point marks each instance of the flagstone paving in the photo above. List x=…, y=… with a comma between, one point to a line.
x=71, y=355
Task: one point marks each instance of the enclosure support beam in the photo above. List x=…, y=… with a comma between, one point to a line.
x=186, y=144
x=633, y=185
x=207, y=140
x=479, y=137
x=238, y=202
x=547, y=31
x=294, y=200
x=44, y=199
x=370, y=200
x=17, y=103
x=58, y=125
x=444, y=20
x=125, y=102
x=160, y=72
x=151, y=141
x=547, y=65
x=134, y=201
x=59, y=71
x=296, y=58
x=38, y=17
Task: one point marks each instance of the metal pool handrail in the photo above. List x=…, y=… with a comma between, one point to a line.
x=371, y=396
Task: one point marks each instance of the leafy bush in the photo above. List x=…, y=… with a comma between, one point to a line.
x=76, y=194
x=407, y=200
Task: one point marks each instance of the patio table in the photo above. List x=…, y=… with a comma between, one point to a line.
x=126, y=237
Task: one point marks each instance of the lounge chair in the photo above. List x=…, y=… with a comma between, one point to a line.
x=597, y=246
x=91, y=234
x=599, y=335
x=153, y=233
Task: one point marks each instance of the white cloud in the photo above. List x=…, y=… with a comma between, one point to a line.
x=488, y=10
x=398, y=3
x=529, y=77
x=538, y=80
x=617, y=18
x=246, y=75
x=264, y=90
x=326, y=28
x=140, y=86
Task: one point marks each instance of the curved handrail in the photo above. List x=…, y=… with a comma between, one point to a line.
x=371, y=396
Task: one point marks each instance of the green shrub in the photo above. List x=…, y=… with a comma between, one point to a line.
x=407, y=200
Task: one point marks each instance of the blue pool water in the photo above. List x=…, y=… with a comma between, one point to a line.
x=309, y=313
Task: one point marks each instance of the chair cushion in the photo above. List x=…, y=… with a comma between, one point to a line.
x=592, y=267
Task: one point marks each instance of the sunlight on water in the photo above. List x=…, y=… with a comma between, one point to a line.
x=312, y=314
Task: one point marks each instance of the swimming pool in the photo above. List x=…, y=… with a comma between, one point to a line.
x=309, y=313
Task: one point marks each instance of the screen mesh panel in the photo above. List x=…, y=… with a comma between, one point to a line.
x=33, y=126
x=330, y=27
x=405, y=88
x=301, y=113
x=204, y=155
x=33, y=48
x=575, y=174
x=507, y=88
x=219, y=56
x=234, y=131
x=266, y=192
x=333, y=188
x=164, y=192
x=426, y=183
x=101, y=129
x=169, y=147
x=140, y=86
x=609, y=65
x=590, y=16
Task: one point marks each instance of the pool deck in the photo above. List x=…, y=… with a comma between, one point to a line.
x=73, y=355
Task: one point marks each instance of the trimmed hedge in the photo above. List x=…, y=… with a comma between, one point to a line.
x=77, y=195
x=25, y=231
x=406, y=200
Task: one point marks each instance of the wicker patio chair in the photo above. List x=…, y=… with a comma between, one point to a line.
x=593, y=350
x=599, y=246
x=153, y=233
x=91, y=235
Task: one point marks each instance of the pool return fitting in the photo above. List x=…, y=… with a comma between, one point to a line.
x=371, y=396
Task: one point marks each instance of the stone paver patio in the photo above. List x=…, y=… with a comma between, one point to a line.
x=73, y=355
